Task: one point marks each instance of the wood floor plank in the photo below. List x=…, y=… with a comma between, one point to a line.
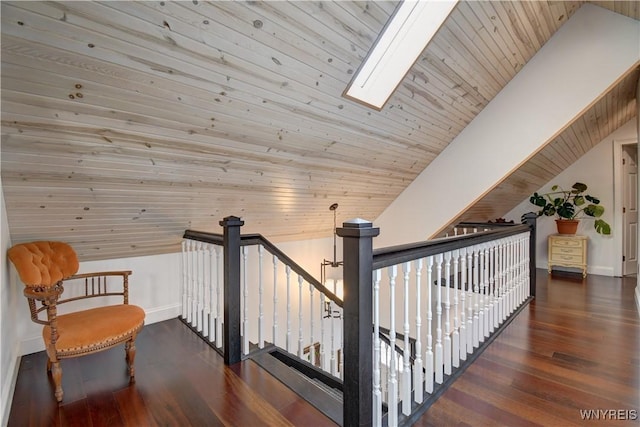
x=575, y=347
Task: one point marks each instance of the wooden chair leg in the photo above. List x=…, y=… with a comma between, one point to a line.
x=56, y=374
x=130, y=349
x=53, y=366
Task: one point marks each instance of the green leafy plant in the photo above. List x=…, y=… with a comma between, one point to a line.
x=571, y=204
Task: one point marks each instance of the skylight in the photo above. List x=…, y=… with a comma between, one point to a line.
x=405, y=36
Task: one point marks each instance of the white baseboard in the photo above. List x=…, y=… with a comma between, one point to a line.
x=8, y=388
x=154, y=315
x=591, y=269
x=159, y=314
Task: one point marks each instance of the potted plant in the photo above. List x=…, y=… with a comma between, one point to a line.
x=570, y=206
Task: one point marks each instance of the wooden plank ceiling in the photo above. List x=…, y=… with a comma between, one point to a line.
x=124, y=123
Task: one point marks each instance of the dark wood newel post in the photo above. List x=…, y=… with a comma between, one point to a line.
x=357, y=240
x=530, y=219
x=231, y=329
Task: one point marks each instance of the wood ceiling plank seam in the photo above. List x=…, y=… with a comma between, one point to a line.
x=592, y=136
x=332, y=39
x=503, y=12
x=549, y=25
x=476, y=29
x=367, y=12
x=152, y=130
x=529, y=21
x=522, y=28
x=477, y=47
x=432, y=56
x=582, y=140
x=254, y=87
x=442, y=46
x=269, y=32
x=227, y=37
x=194, y=164
x=242, y=101
x=569, y=141
x=159, y=150
x=286, y=189
x=171, y=116
x=542, y=163
x=563, y=154
x=502, y=27
x=132, y=186
x=488, y=28
x=436, y=83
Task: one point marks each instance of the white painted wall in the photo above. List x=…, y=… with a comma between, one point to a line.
x=9, y=339
x=580, y=62
x=595, y=169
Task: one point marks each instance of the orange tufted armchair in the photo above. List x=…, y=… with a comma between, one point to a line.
x=43, y=268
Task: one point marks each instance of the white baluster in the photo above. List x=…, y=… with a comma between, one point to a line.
x=481, y=287
x=275, y=300
x=512, y=276
x=393, y=382
x=219, y=296
x=418, y=374
x=245, y=302
x=333, y=365
x=476, y=291
x=377, y=390
x=212, y=299
x=311, y=327
x=323, y=358
x=463, y=306
x=486, y=291
x=288, y=337
x=191, y=281
x=200, y=266
x=300, y=339
x=439, y=366
x=455, y=351
x=492, y=288
x=527, y=242
x=206, y=291
x=502, y=279
x=184, y=279
x=260, y=299
x=406, y=371
x=447, y=314
x=498, y=284
x=428, y=359
x=470, y=299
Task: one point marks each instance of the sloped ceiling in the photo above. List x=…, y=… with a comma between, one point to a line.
x=125, y=123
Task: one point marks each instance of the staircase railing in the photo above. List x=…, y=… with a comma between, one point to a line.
x=466, y=287
x=434, y=307
x=276, y=303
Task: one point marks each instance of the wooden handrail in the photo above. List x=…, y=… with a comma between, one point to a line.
x=393, y=255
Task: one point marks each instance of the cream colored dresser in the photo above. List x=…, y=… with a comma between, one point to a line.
x=568, y=250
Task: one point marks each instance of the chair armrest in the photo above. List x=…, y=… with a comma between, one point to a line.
x=95, y=285
x=100, y=274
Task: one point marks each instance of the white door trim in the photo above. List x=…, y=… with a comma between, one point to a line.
x=618, y=224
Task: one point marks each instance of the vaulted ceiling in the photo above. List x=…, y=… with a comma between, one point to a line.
x=125, y=123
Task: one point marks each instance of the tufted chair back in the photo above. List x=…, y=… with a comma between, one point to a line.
x=43, y=264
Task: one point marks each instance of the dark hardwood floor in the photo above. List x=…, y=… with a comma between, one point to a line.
x=576, y=347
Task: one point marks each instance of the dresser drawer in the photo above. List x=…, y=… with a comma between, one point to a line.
x=564, y=250
x=571, y=259
x=560, y=242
